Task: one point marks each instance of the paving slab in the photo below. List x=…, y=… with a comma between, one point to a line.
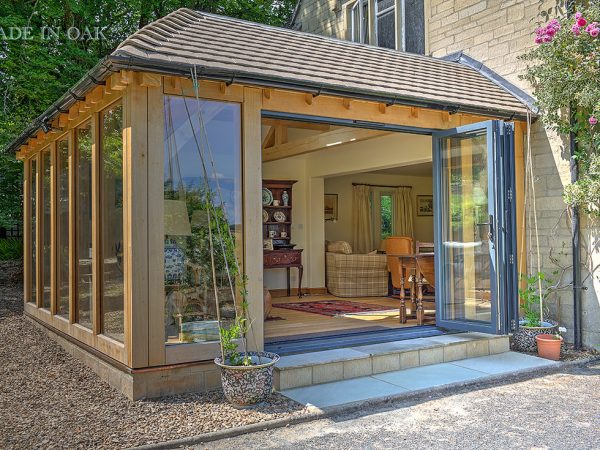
x=342, y=392
x=429, y=376
x=504, y=363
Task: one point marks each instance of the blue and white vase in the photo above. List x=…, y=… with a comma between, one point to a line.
x=174, y=262
x=285, y=198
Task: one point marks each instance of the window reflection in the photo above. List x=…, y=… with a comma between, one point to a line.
x=62, y=235
x=190, y=311
x=32, y=230
x=112, y=222
x=83, y=138
x=46, y=241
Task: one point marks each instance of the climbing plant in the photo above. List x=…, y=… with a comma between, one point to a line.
x=564, y=69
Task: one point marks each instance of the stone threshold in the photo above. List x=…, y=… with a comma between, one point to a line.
x=416, y=380
x=313, y=368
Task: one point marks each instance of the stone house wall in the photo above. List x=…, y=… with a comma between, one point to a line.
x=495, y=32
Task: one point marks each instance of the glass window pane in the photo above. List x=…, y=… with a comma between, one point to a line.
x=46, y=242
x=62, y=234
x=386, y=216
x=466, y=243
x=386, y=34
x=112, y=222
x=83, y=137
x=190, y=311
x=32, y=236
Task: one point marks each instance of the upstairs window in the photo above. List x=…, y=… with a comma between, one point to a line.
x=385, y=23
x=359, y=22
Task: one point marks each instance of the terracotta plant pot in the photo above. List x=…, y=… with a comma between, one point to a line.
x=548, y=346
x=523, y=340
x=248, y=385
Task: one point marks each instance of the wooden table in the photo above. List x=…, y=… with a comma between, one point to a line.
x=411, y=262
x=285, y=259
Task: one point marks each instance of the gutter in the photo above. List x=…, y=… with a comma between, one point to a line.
x=114, y=63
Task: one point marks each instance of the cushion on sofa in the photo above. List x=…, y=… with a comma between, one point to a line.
x=342, y=247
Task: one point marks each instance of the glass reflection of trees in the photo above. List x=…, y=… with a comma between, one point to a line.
x=190, y=310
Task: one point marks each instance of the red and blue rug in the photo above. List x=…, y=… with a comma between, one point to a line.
x=332, y=308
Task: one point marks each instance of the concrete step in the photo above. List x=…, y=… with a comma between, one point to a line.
x=306, y=369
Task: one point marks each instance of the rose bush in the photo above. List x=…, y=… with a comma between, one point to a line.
x=564, y=70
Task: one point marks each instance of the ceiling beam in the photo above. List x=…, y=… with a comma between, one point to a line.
x=320, y=141
x=296, y=124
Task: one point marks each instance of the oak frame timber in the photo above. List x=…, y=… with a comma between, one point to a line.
x=142, y=97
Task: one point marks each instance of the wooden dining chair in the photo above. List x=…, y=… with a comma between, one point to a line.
x=399, y=268
x=425, y=270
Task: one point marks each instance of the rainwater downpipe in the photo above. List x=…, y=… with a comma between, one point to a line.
x=575, y=227
x=574, y=167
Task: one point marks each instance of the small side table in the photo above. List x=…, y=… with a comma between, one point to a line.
x=285, y=259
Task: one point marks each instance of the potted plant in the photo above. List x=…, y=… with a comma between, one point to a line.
x=532, y=296
x=247, y=377
x=549, y=345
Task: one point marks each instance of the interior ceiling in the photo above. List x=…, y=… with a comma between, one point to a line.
x=414, y=170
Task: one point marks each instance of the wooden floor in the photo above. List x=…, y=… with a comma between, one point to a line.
x=298, y=322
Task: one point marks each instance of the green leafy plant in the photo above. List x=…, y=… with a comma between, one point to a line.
x=531, y=299
x=564, y=71
x=11, y=249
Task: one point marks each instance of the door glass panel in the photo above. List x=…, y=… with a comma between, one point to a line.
x=466, y=247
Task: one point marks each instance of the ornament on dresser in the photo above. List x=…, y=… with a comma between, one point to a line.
x=285, y=198
x=279, y=216
x=267, y=197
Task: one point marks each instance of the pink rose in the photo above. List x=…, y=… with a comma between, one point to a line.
x=576, y=29
x=551, y=32
x=592, y=120
x=581, y=22
x=595, y=32
x=547, y=38
x=539, y=40
x=578, y=15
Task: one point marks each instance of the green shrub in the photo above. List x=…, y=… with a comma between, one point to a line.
x=11, y=249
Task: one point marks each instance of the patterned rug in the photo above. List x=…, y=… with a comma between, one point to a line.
x=332, y=308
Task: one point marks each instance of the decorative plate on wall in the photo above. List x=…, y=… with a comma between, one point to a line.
x=267, y=197
x=265, y=216
x=279, y=216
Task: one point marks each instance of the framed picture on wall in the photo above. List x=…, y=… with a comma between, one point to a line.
x=424, y=205
x=331, y=207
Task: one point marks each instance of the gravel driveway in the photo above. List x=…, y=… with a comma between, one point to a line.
x=50, y=400
x=555, y=411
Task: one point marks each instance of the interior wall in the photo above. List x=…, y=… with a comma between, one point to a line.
x=310, y=171
x=341, y=230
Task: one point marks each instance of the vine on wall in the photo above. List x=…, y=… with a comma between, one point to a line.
x=564, y=70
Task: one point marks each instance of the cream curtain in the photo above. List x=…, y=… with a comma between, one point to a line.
x=403, y=212
x=362, y=219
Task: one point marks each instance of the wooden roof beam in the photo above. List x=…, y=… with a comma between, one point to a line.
x=319, y=142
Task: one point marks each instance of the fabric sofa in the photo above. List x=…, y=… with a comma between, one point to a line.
x=352, y=275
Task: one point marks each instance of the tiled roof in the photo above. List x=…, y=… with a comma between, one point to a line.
x=229, y=49
x=250, y=50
